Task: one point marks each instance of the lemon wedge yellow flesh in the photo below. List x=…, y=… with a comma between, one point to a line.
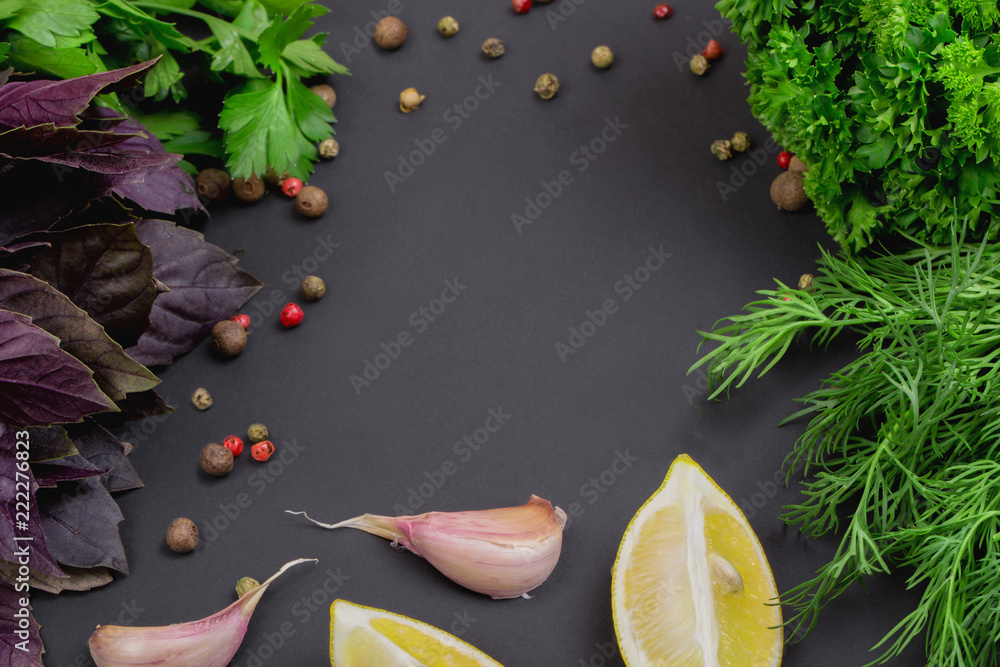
x=368, y=637
x=691, y=586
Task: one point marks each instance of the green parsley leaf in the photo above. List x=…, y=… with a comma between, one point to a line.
x=260, y=131
x=281, y=33
x=232, y=55
x=167, y=125
x=9, y=8
x=306, y=57
x=56, y=23
x=196, y=142
x=144, y=24
x=30, y=56
x=165, y=77
x=253, y=18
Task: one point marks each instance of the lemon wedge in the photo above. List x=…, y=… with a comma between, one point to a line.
x=368, y=637
x=691, y=586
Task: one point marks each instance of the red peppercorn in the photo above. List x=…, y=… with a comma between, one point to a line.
x=713, y=50
x=784, y=159
x=291, y=186
x=291, y=315
x=521, y=6
x=662, y=11
x=262, y=450
x=233, y=444
x=243, y=319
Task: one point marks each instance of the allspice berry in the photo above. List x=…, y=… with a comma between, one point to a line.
x=182, y=535
x=699, y=64
x=602, y=57
x=271, y=176
x=311, y=201
x=313, y=288
x=740, y=142
x=796, y=164
x=447, y=26
x=257, y=433
x=216, y=460
x=410, y=99
x=787, y=192
x=201, y=398
x=328, y=149
x=547, y=85
x=249, y=190
x=229, y=337
x=493, y=47
x=390, y=33
x=326, y=92
x=214, y=184
x=722, y=149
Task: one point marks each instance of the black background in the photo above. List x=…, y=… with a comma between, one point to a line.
x=625, y=390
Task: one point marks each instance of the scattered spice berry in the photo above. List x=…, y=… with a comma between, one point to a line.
x=216, y=460
x=262, y=450
x=521, y=6
x=493, y=47
x=699, y=64
x=291, y=186
x=662, y=11
x=713, y=50
x=784, y=159
x=214, y=184
x=741, y=142
x=390, y=33
x=329, y=149
x=409, y=100
x=249, y=190
x=291, y=315
x=795, y=164
x=243, y=320
x=234, y=444
x=722, y=149
x=547, y=86
x=257, y=432
x=311, y=201
x=313, y=288
x=245, y=585
x=201, y=398
x=182, y=535
x=787, y=192
x=271, y=176
x=602, y=57
x=326, y=92
x=447, y=26
x=229, y=337
x=805, y=281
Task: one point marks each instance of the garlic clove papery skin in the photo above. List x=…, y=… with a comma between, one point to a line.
x=208, y=642
x=503, y=553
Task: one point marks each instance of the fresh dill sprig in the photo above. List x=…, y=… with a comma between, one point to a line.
x=901, y=452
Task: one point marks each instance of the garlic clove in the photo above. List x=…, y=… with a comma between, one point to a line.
x=209, y=642
x=503, y=553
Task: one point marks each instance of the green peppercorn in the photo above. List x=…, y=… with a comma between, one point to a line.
x=257, y=432
x=699, y=64
x=722, y=149
x=329, y=149
x=313, y=288
x=602, y=57
x=493, y=47
x=547, y=86
x=741, y=142
x=201, y=398
x=447, y=26
x=245, y=585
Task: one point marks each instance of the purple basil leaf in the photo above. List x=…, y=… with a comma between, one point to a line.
x=106, y=271
x=81, y=525
x=21, y=247
x=12, y=524
x=40, y=384
x=137, y=166
x=27, y=103
x=105, y=452
x=50, y=139
x=79, y=579
x=114, y=371
x=48, y=475
x=49, y=443
x=140, y=405
x=205, y=287
x=11, y=644
x=165, y=191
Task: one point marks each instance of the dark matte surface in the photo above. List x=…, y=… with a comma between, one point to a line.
x=625, y=390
